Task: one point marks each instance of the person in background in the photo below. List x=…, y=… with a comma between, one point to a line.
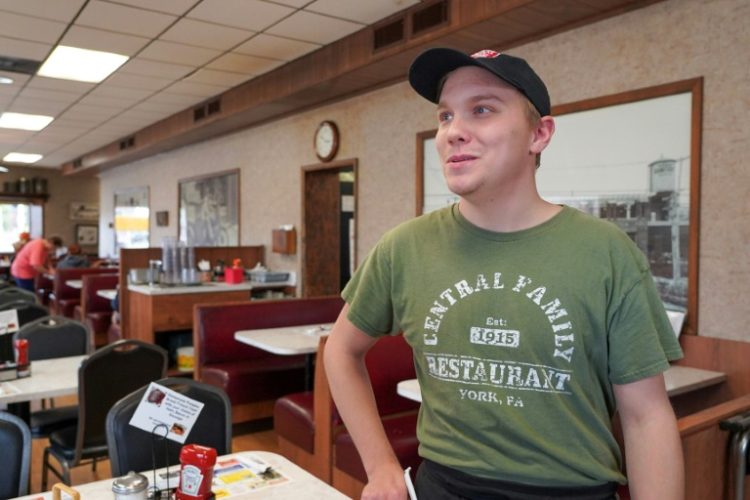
x=530, y=322
x=23, y=238
x=32, y=259
x=74, y=258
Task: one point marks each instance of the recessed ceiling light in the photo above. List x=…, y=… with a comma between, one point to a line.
x=3, y=169
x=22, y=158
x=23, y=121
x=83, y=65
x=4, y=80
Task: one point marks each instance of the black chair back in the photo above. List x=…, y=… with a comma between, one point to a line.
x=14, y=294
x=15, y=441
x=130, y=448
x=55, y=337
x=27, y=311
x=107, y=376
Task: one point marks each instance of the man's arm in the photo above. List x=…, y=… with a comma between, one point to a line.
x=351, y=390
x=653, y=449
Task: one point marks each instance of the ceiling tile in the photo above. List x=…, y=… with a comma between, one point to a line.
x=293, y=3
x=177, y=7
x=59, y=10
x=215, y=77
x=251, y=15
x=107, y=101
x=178, y=53
x=50, y=95
x=181, y=100
x=88, y=111
x=123, y=19
x=196, y=89
x=203, y=34
x=34, y=106
x=19, y=80
x=41, y=146
x=42, y=82
x=276, y=47
x=107, y=90
x=362, y=12
x=24, y=49
x=107, y=41
x=138, y=82
x=314, y=28
x=240, y=63
x=13, y=136
x=160, y=69
x=30, y=28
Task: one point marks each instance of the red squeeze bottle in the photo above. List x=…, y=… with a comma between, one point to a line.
x=197, y=472
x=22, y=357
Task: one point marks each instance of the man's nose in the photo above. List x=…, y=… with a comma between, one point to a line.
x=457, y=131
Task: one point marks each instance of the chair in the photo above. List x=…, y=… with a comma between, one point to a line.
x=27, y=311
x=107, y=376
x=130, y=448
x=739, y=429
x=96, y=311
x=15, y=294
x=54, y=337
x=15, y=441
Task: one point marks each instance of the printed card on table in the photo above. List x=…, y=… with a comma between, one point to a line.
x=8, y=321
x=161, y=405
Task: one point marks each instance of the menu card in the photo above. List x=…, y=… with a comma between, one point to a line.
x=163, y=406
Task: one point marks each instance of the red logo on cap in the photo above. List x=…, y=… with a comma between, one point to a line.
x=486, y=53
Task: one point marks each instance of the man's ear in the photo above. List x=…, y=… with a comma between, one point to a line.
x=543, y=133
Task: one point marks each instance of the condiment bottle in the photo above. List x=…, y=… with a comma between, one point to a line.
x=23, y=369
x=197, y=472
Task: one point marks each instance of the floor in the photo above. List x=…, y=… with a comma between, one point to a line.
x=255, y=436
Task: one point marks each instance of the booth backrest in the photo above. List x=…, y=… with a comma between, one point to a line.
x=62, y=291
x=92, y=283
x=214, y=324
x=389, y=362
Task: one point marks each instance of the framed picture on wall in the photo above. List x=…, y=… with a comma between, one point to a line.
x=87, y=234
x=209, y=210
x=634, y=159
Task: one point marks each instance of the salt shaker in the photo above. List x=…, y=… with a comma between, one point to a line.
x=132, y=486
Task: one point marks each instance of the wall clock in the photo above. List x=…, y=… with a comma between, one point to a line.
x=326, y=140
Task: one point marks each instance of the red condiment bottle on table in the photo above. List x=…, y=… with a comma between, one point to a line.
x=22, y=358
x=196, y=473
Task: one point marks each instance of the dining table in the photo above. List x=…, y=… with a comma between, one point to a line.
x=288, y=341
x=49, y=378
x=242, y=475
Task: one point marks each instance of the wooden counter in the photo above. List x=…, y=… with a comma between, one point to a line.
x=163, y=309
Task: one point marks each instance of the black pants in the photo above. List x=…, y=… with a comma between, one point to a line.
x=437, y=482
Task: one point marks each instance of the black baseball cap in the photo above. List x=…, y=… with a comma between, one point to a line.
x=432, y=65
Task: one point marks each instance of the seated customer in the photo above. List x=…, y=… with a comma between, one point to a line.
x=74, y=258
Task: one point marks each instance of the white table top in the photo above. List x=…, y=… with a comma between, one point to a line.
x=287, y=340
x=74, y=283
x=49, y=378
x=301, y=483
x=213, y=286
x=678, y=380
x=107, y=293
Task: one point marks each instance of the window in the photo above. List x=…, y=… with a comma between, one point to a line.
x=16, y=218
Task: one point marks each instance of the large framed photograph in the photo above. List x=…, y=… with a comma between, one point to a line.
x=209, y=210
x=87, y=234
x=634, y=159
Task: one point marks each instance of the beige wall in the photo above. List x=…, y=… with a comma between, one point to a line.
x=669, y=41
x=63, y=190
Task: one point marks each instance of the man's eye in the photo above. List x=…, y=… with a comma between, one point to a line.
x=480, y=110
x=444, y=116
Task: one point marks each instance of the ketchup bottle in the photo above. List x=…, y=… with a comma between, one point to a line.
x=22, y=358
x=196, y=473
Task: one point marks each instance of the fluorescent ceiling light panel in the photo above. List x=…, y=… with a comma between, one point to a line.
x=23, y=121
x=83, y=65
x=22, y=158
x=5, y=80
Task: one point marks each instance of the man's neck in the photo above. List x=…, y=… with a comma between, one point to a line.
x=505, y=215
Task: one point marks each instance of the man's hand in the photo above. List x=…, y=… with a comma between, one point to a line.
x=386, y=483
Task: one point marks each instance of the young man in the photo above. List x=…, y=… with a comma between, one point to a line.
x=531, y=323
x=33, y=258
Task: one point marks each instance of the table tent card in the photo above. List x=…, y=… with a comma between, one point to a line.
x=163, y=406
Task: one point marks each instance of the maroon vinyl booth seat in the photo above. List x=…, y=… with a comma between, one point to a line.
x=253, y=378
x=42, y=288
x=95, y=311
x=388, y=362
x=64, y=298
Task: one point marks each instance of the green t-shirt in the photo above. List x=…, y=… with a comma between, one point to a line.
x=517, y=338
